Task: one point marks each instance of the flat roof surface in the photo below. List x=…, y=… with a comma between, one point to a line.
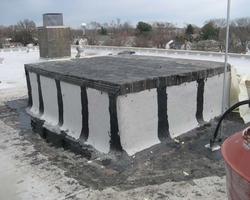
x=129, y=73
x=41, y=176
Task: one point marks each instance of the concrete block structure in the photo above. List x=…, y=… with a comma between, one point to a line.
x=125, y=103
x=54, y=38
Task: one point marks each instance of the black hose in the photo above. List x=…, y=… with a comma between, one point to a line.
x=226, y=113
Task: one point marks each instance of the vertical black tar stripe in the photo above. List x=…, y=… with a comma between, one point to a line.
x=30, y=101
x=60, y=102
x=85, y=115
x=115, y=142
x=200, y=100
x=41, y=106
x=163, y=126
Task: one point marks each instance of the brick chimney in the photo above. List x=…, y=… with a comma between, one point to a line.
x=54, y=37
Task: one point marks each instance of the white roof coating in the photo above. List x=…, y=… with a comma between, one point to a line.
x=12, y=73
x=41, y=181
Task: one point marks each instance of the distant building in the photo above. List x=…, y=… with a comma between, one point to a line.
x=8, y=43
x=5, y=42
x=130, y=41
x=16, y=44
x=178, y=44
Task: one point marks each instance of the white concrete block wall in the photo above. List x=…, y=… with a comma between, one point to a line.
x=181, y=108
x=99, y=120
x=137, y=115
x=213, y=92
x=98, y=108
x=72, y=109
x=49, y=94
x=34, y=93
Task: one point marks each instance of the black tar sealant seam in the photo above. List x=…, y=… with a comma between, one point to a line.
x=41, y=105
x=163, y=126
x=200, y=100
x=85, y=114
x=30, y=101
x=115, y=141
x=60, y=103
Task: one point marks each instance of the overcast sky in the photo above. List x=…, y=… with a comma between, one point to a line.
x=75, y=12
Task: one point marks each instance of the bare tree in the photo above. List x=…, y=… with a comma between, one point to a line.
x=160, y=36
x=25, y=31
x=127, y=27
x=162, y=33
x=142, y=41
x=119, y=32
x=7, y=31
x=171, y=30
x=220, y=26
x=205, y=45
x=124, y=31
x=233, y=42
x=234, y=45
x=242, y=30
x=113, y=27
x=92, y=32
x=2, y=31
x=219, y=23
x=74, y=33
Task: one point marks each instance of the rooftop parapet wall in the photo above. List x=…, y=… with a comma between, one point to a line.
x=149, y=51
x=166, y=52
